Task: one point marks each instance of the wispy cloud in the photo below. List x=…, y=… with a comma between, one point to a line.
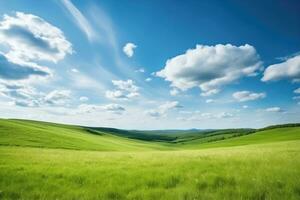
x=80, y=19
x=274, y=109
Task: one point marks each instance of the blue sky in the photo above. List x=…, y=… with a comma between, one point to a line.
x=151, y=64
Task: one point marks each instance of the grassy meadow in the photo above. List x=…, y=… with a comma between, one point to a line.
x=50, y=161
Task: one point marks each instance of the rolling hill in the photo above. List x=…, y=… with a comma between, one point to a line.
x=41, y=160
x=50, y=135
x=14, y=132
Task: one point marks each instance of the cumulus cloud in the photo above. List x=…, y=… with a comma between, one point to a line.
x=289, y=69
x=273, y=109
x=248, y=96
x=128, y=85
x=74, y=70
x=85, y=108
x=124, y=90
x=207, y=115
x=141, y=70
x=30, y=37
x=58, y=97
x=198, y=116
x=163, y=109
x=83, y=99
x=20, y=95
x=27, y=96
x=210, y=92
x=111, y=108
x=296, y=98
x=14, y=71
x=297, y=91
x=210, y=67
x=210, y=101
x=116, y=94
x=128, y=49
x=174, y=92
x=225, y=115
x=114, y=108
x=148, y=79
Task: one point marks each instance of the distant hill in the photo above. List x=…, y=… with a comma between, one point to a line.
x=14, y=132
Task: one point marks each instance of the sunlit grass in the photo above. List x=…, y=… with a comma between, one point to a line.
x=50, y=161
x=254, y=172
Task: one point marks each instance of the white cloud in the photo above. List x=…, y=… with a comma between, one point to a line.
x=297, y=91
x=80, y=20
x=20, y=95
x=248, y=96
x=12, y=70
x=114, y=108
x=30, y=37
x=163, y=109
x=141, y=70
x=124, y=90
x=174, y=92
x=58, y=97
x=128, y=49
x=169, y=105
x=128, y=85
x=74, y=70
x=224, y=115
x=210, y=92
x=116, y=94
x=86, y=108
x=148, y=79
x=198, y=116
x=132, y=94
x=27, y=96
x=211, y=67
x=273, y=109
x=207, y=115
x=245, y=106
x=83, y=98
x=289, y=69
x=89, y=108
x=210, y=101
x=153, y=113
x=296, y=98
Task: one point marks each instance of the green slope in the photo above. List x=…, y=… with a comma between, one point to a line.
x=49, y=135
x=260, y=165
x=248, y=172
x=173, y=136
x=269, y=135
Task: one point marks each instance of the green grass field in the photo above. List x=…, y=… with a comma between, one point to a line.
x=41, y=160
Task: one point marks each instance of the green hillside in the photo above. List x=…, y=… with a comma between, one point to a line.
x=50, y=135
x=40, y=160
x=263, y=136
